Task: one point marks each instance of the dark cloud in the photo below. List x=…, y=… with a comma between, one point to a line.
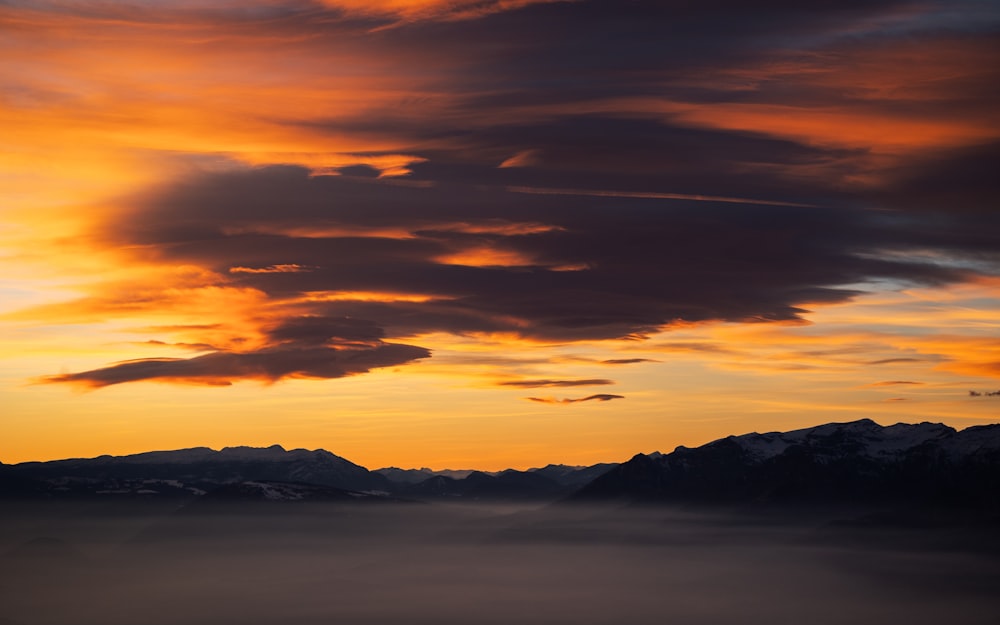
x=692, y=346
x=307, y=331
x=295, y=347
x=896, y=383
x=611, y=242
x=555, y=383
x=269, y=365
x=984, y=393
x=606, y=267
x=568, y=400
x=637, y=154
x=362, y=171
x=959, y=179
x=626, y=361
x=627, y=41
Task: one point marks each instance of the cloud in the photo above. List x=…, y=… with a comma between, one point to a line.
x=626, y=361
x=524, y=158
x=413, y=10
x=694, y=346
x=478, y=259
x=555, y=383
x=653, y=195
x=267, y=365
x=959, y=177
x=292, y=268
x=312, y=330
x=892, y=361
x=598, y=397
x=555, y=171
x=290, y=347
x=896, y=383
x=658, y=262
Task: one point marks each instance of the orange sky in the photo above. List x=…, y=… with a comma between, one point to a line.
x=418, y=233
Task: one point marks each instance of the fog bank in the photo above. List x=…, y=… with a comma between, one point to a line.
x=259, y=564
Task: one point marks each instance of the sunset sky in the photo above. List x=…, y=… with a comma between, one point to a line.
x=492, y=233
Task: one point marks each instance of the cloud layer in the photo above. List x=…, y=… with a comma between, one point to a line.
x=555, y=172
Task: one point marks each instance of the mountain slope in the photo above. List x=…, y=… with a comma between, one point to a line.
x=860, y=461
x=573, y=476
x=549, y=482
x=509, y=484
x=194, y=471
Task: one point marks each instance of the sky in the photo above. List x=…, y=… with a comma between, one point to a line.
x=492, y=233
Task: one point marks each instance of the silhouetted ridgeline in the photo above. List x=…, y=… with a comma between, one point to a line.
x=859, y=462
x=191, y=473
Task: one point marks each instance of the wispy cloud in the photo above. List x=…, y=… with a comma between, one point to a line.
x=896, y=383
x=598, y=397
x=555, y=383
x=290, y=268
x=654, y=195
x=626, y=361
x=892, y=361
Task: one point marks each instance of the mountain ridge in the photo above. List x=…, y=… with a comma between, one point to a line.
x=194, y=470
x=857, y=460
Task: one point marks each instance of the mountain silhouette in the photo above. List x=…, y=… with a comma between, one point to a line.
x=189, y=472
x=860, y=461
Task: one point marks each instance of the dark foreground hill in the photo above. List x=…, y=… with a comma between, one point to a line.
x=861, y=462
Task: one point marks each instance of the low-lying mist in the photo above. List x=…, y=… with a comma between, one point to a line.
x=264, y=564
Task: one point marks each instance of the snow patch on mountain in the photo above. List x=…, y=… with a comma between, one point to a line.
x=276, y=492
x=864, y=437
x=179, y=456
x=272, y=453
x=979, y=438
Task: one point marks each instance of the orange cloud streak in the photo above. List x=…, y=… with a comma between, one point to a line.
x=881, y=130
x=487, y=256
x=891, y=98
x=127, y=84
x=411, y=10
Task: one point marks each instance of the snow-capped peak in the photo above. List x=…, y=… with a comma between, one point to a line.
x=274, y=452
x=864, y=437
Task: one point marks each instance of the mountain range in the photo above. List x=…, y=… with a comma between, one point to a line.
x=860, y=461
x=275, y=473
x=857, y=462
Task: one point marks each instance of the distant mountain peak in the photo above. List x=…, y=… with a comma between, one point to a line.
x=274, y=452
x=864, y=436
